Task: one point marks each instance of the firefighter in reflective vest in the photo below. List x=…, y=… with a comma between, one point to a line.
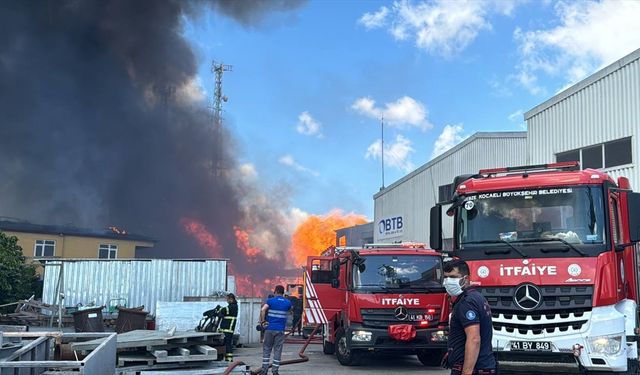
x=228, y=316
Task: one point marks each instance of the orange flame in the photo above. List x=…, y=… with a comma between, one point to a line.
x=205, y=238
x=242, y=242
x=259, y=286
x=317, y=233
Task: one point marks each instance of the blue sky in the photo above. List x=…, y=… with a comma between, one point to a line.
x=309, y=85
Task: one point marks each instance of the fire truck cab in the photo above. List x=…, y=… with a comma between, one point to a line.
x=554, y=250
x=380, y=297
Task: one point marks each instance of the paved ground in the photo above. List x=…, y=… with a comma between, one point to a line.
x=320, y=364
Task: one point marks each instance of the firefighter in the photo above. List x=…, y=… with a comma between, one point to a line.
x=470, y=327
x=273, y=316
x=296, y=304
x=228, y=316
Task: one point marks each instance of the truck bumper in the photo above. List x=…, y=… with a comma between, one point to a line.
x=380, y=340
x=601, y=321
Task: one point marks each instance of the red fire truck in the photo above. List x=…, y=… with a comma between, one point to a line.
x=380, y=297
x=554, y=250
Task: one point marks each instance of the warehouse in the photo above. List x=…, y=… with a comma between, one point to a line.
x=401, y=210
x=596, y=121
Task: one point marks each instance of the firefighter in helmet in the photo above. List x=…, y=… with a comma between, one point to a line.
x=228, y=316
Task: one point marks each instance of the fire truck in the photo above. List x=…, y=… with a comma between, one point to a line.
x=379, y=297
x=553, y=248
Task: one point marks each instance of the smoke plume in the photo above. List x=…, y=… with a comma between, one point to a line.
x=93, y=129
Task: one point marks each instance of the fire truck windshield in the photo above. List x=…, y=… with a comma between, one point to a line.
x=400, y=273
x=568, y=219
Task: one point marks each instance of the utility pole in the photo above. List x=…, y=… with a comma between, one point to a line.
x=382, y=149
x=218, y=70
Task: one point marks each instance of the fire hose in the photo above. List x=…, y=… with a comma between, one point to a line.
x=303, y=357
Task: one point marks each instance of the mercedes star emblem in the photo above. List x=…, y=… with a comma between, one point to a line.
x=527, y=297
x=401, y=313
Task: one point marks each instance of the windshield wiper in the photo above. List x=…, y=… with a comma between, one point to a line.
x=490, y=252
x=569, y=245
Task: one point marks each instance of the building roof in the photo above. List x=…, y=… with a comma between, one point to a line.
x=357, y=226
x=68, y=230
x=456, y=148
x=633, y=56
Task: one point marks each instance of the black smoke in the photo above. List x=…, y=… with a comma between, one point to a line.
x=93, y=131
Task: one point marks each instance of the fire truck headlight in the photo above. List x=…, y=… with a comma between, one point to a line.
x=439, y=336
x=609, y=345
x=361, y=336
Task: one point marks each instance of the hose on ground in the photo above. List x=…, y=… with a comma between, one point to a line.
x=303, y=357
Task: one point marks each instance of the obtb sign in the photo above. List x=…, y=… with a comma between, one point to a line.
x=391, y=226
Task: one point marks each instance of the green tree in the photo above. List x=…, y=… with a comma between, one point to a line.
x=17, y=278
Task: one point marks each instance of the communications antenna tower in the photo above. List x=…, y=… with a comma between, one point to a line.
x=218, y=69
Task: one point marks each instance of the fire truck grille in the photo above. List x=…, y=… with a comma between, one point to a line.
x=382, y=318
x=562, y=310
x=555, y=299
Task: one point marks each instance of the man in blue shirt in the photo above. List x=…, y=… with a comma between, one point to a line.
x=273, y=315
x=470, y=327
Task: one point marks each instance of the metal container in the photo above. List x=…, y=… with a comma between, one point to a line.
x=89, y=320
x=139, y=282
x=35, y=356
x=131, y=319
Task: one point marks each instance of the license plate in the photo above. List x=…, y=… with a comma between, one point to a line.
x=540, y=346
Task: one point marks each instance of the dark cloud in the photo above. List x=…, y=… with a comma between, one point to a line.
x=91, y=128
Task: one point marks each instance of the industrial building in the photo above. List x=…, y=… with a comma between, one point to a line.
x=596, y=121
x=401, y=210
x=357, y=235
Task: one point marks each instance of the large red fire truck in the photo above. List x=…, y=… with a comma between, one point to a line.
x=554, y=250
x=380, y=297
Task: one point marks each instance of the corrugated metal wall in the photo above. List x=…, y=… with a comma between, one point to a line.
x=414, y=196
x=139, y=282
x=605, y=110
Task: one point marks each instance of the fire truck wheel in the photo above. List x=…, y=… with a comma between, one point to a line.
x=328, y=347
x=345, y=356
x=431, y=358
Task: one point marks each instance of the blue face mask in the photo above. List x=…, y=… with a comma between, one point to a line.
x=452, y=285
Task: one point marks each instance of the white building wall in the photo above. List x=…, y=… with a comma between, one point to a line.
x=604, y=107
x=413, y=196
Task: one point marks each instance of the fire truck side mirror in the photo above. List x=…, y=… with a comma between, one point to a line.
x=335, y=273
x=633, y=210
x=435, y=228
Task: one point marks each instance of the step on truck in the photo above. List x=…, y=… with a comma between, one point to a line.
x=378, y=298
x=554, y=249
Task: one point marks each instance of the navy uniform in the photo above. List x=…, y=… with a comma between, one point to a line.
x=470, y=308
x=228, y=316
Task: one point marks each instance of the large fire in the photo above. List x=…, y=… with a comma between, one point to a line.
x=205, y=239
x=317, y=233
x=248, y=262
x=244, y=244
